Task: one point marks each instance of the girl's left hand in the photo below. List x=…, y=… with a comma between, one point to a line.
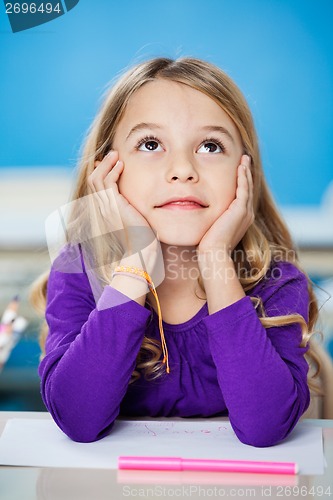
x=228, y=230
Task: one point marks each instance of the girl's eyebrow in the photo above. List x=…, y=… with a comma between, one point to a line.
x=208, y=128
x=217, y=128
x=142, y=126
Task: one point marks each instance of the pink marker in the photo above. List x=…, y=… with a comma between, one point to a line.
x=194, y=464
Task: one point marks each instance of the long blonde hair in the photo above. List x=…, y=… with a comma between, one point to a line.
x=266, y=240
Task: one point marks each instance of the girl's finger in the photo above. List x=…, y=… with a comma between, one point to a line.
x=101, y=198
x=246, y=162
x=250, y=182
x=96, y=182
x=113, y=176
x=102, y=169
x=111, y=186
x=117, y=201
x=242, y=191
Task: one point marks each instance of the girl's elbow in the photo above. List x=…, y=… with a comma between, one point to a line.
x=81, y=430
x=259, y=439
x=270, y=432
x=256, y=433
x=82, y=434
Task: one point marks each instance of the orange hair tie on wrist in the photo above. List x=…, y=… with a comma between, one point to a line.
x=141, y=274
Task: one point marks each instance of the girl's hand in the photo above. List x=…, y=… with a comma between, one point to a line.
x=227, y=231
x=121, y=218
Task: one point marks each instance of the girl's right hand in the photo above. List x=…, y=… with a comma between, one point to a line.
x=122, y=219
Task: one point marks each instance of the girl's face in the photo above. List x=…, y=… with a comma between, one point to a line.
x=177, y=143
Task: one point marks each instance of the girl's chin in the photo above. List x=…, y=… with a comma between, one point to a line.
x=181, y=234
x=179, y=244
x=179, y=240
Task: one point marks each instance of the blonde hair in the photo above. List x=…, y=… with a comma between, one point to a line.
x=266, y=240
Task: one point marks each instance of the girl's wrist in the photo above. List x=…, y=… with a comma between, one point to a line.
x=128, y=283
x=134, y=289
x=221, y=282
x=135, y=260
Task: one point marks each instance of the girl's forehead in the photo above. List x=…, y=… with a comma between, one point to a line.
x=164, y=89
x=167, y=99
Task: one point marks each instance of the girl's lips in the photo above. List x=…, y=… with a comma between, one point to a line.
x=188, y=202
x=182, y=205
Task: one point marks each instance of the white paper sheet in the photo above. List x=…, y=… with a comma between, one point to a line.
x=40, y=443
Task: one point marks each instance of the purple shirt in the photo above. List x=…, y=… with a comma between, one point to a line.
x=225, y=363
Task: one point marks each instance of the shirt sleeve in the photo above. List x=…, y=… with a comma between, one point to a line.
x=262, y=372
x=91, y=353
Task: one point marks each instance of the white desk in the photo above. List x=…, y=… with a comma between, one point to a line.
x=30, y=483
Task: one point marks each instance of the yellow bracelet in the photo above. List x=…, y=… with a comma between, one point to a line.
x=141, y=274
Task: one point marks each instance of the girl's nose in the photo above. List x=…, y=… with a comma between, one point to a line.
x=182, y=169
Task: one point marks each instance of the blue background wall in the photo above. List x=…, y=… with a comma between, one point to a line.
x=278, y=51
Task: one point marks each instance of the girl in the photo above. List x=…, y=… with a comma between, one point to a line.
x=173, y=159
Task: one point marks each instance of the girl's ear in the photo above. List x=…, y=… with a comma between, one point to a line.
x=97, y=163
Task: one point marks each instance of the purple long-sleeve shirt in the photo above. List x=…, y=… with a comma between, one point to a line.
x=225, y=363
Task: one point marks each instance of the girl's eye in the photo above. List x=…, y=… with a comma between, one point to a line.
x=210, y=146
x=149, y=144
